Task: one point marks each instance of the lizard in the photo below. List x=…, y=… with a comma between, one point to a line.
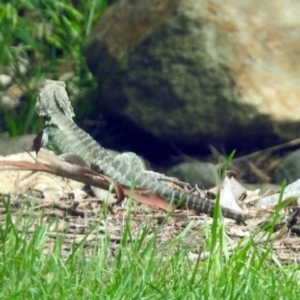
x=62, y=135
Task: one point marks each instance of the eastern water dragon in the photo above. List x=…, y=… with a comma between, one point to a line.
x=62, y=135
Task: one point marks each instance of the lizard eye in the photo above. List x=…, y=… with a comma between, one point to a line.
x=46, y=118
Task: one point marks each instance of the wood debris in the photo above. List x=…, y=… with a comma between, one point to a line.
x=80, y=214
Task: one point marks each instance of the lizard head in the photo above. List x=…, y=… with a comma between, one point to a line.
x=53, y=99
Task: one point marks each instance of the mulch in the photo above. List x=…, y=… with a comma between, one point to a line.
x=84, y=221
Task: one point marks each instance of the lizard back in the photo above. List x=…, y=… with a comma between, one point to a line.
x=64, y=136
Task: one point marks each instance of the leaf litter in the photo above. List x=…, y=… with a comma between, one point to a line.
x=77, y=211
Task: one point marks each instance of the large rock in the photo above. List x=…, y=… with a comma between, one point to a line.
x=202, y=174
x=191, y=70
x=289, y=168
x=16, y=145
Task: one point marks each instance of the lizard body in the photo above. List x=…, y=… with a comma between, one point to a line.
x=62, y=135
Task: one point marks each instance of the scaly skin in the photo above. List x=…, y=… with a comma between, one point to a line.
x=62, y=135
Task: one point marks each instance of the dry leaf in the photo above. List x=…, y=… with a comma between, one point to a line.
x=150, y=199
x=226, y=196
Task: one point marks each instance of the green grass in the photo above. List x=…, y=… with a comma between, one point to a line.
x=51, y=35
x=141, y=269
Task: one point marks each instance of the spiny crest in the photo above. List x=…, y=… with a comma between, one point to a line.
x=52, y=98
